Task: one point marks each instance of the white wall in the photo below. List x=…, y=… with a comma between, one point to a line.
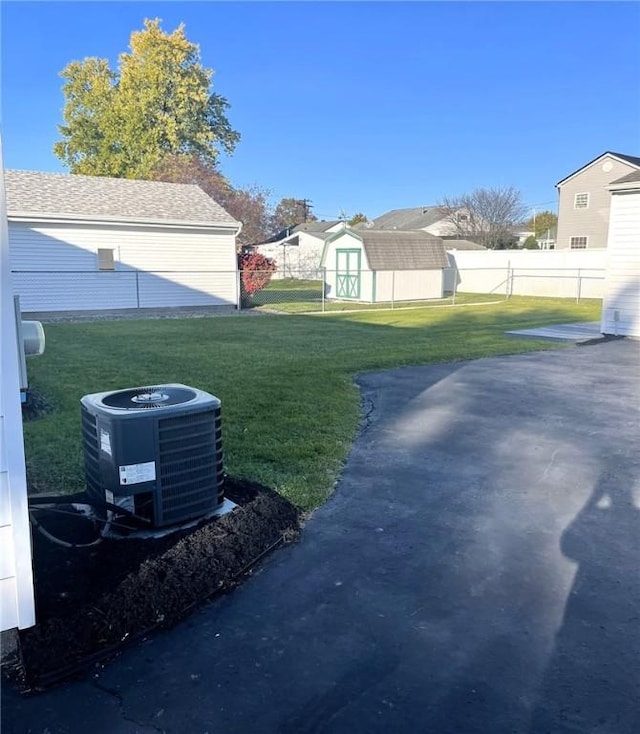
x=154, y=267
x=408, y=285
x=16, y=574
x=295, y=261
x=621, y=305
x=556, y=273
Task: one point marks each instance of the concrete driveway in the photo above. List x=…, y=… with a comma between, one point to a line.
x=477, y=571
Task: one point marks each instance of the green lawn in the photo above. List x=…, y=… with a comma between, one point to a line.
x=291, y=295
x=290, y=406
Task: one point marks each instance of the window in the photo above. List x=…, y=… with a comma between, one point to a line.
x=462, y=217
x=578, y=243
x=581, y=201
x=105, y=260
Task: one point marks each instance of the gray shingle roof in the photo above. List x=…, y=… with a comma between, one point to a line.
x=68, y=196
x=403, y=250
x=462, y=245
x=629, y=178
x=318, y=226
x=416, y=218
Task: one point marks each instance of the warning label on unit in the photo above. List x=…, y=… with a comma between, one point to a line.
x=105, y=441
x=137, y=473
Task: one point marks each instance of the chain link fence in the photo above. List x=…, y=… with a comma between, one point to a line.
x=308, y=291
x=326, y=290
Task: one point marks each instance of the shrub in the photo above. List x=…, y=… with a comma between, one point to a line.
x=256, y=272
x=531, y=243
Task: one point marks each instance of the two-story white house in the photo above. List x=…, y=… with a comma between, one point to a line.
x=585, y=201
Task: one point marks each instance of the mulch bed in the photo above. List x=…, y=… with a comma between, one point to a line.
x=91, y=602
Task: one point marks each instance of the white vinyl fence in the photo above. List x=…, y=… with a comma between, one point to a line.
x=555, y=273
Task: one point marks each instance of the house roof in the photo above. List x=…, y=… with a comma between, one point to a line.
x=316, y=226
x=36, y=195
x=462, y=245
x=416, y=218
x=402, y=250
x=633, y=177
x=631, y=159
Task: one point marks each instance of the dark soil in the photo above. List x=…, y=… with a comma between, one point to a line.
x=92, y=601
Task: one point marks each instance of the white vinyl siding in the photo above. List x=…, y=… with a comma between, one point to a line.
x=592, y=221
x=58, y=266
x=16, y=573
x=408, y=285
x=581, y=201
x=621, y=304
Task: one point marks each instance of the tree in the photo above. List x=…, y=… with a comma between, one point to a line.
x=289, y=212
x=542, y=223
x=485, y=216
x=531, y=243
x=358, y=218
x=249, y=206
x=159, y=102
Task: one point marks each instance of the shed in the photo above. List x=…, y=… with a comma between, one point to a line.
x=93, y=243
x=384, y=265
x=621, y=303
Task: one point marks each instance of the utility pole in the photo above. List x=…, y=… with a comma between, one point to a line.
x=306, y=207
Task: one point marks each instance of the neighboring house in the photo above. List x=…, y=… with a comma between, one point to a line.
x=621, y=303
x=430, y=219
x=378, y=266
x=547, y=241
x=522, y=236
x=92, y=243
x=297, y=251
x=453, y=244
x=585, y=200
x=16, y=574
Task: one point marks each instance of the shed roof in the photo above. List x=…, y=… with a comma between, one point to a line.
x=415, y=218
x=402, y=250
x=33, y=194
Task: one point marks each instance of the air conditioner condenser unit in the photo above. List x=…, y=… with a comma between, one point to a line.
x=155, y=451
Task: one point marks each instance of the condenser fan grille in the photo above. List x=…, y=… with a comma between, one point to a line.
x=158, y=396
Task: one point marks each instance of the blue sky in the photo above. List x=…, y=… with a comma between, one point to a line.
x=364, y=106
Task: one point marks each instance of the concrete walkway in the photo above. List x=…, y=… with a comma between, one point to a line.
x=578, y=332
x=476, y=572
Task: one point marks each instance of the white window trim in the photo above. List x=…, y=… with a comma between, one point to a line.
x=575, y=200
x=579, y=236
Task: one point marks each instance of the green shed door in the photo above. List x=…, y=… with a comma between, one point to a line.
x=348, y=273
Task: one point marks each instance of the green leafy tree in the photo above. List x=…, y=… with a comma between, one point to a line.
x=358, y=218
x=159, y=102
x=543, y=222
x=289, y=212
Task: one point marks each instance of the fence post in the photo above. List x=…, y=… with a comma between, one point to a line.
x=137, y=289
x=323, y=273
x=393, y=288
x=509, y=288
x=455, y=283
x=579, y=284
